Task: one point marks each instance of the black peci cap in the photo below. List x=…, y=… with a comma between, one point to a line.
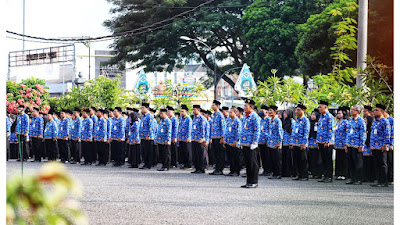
x=273, y=107
x=368, y=107
x=249, y=101
x=196, y=107
x=380, y=106
x=184, y=107
x=225, y=108
x=322, y=102
x=217, y=102
x=301, y=106
x=145, y=104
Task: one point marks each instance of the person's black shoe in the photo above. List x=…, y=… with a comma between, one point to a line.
x=196, y=171
x=329, y=180
x=235, y=175
x=83, y=163
x=304, y=179
x=349, y=182
x=379, y=185
x=131, y=167
x=117, y=165
x=202, y=171
x=162, y=169
x=99, y=164
x=297, y=178
x=244, y=186
x=274, y=177
x=357, y=183
x=72, y=162
x=264, y=174
x=252, y=185
x=244, y=175
x=229, y=174
x=322, y=179
x=216, y=172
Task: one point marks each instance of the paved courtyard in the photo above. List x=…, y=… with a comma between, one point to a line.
x=133, y=196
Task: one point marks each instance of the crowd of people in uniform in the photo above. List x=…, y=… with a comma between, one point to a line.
x=281, y=142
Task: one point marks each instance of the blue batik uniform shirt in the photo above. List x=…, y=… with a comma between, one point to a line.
x=275, y=133
x=232, y=131
x=100, y=133
x=250, y=130
x=218, y=125
x=199, y=128
x=37, y=126
x=264, y=123
x=118, y=130
x=76, y=128
x=164, y=131
x=287, y=137
x=110, y=124
x=134, y=132
x=185, y=129
x=356, y=132
x=8, y=125
x=146, y=127
x=175, y=126
x=391, y=122
x=51, y=130
x=325, y=129
x=301, y=132
x=341, y=132
x=63, y=130
x=87, y=129
x=380, y=133
x=22, y=124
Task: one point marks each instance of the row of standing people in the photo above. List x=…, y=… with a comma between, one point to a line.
x=287, y=148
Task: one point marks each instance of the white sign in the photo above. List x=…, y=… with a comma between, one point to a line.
x=245, y=82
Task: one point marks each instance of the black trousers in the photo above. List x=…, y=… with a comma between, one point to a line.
x=355, y=162
x=63, y=145
x=327, y=161
x=342, y=162
x=287, y=162
x=51, y=147
x=252, y=167
x=147, y=147
x=118, y=148
x=37, y=148
x=165, y=155
x=14, y=151
x=316, y=162
x=8, y=148
x=198, y=155
x=300, y=156
x=218, y=153
x=381, y=167
x=390, y=165
x=266, y=161
x=276, y=157
x=157, y=157
x=368, y=168
x=86, y=151
x=185, y=154
x=23, y=144
x=135, y=158
x=75, y=150
x=211, y=155
x=234, y=163
x=102, y=149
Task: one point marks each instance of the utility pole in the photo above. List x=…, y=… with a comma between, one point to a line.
x=362, y=39
x=23, y=25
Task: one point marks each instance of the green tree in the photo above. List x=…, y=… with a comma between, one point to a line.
x=318, y=34
x=270, y=29
x=218, y=24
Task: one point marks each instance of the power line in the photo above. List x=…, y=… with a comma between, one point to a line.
x=117, y=34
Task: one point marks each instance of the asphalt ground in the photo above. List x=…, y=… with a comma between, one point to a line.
x=121, y=195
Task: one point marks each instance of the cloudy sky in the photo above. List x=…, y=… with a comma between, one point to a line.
x=54, y=18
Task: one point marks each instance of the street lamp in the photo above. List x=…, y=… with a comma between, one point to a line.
x=186, y=38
